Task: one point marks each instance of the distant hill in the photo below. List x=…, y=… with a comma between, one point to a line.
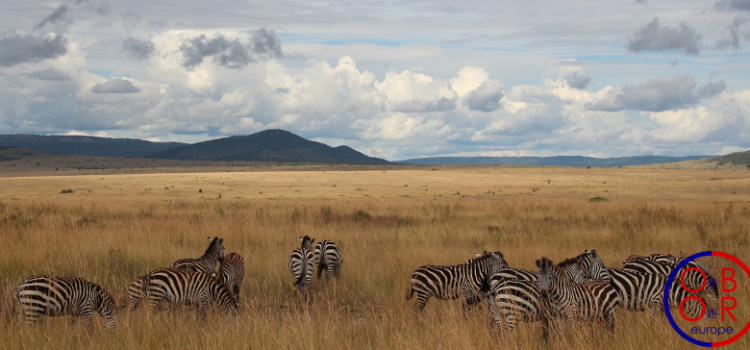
x=560, y=160
x=738, y=158
x=267, y=146
x=86, y=145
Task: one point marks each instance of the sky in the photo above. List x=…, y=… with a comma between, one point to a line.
x=391, y=79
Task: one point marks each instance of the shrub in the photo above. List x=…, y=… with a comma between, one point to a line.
x=598, y=199
x=67, y=191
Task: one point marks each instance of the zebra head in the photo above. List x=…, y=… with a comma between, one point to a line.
x=592, y=266
x=215, y=249
x=107, y=308
x=307, y=242
x=546, y=272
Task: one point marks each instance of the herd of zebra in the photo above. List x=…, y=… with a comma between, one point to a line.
x=186, y=281
x=576, y=289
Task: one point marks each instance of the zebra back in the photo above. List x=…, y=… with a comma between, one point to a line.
x=232, y=272
x=328, y=258
x=301, y=266
x=58, y=296
x=206, y=263
x=463, y=281
x=189, y=287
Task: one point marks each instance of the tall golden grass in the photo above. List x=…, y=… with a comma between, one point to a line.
x=120, y=232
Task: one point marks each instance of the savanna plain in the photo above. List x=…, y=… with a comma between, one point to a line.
x=110, y=228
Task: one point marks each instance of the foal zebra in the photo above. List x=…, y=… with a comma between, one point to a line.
x=301, y=266
x=58, y=296
x=328, y=258
x=463, y=281
x=595, y=301
x=232, y=272
x=207, y=262
x=188, y=287
x=636, y=290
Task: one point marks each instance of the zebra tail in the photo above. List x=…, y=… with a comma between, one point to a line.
x=409, y=293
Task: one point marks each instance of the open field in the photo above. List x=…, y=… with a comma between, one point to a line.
x=114, y=227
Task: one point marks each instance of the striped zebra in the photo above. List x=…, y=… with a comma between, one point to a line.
x=136, y=292
x=188, y=287
x=591, y=302
x=464, y=281
x=207, y=262
x=328, y=258
x=232, y=272
x=301, y=266
x=570, y=266
x=637, y=291
x=693, y=279
x=516, y=300
x=40, y=296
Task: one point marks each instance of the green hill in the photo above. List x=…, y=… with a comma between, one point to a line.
x=738, y=158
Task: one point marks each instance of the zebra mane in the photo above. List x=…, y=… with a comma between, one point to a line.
x=569, y=261
x=484, y=256
x=214, y=242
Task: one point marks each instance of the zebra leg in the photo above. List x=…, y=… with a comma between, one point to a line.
x=330, y=272
x=609, y=322
x=86, y=318
x=422, y=299
x=73, y=322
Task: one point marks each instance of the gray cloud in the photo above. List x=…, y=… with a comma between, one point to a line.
x=654, y=37
x=50, y=74
x=578, y=80
x=417, y=106
x=735, y=35
x=262, y=45
x=138, y=49
x=655, y=95
x=115, y=86
x=709, y=90
x=726, y=5
x=56, y=16
x=17, y=49
x=486, y=97
x=130, y=19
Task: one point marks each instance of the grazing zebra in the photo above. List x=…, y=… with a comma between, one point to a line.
x=693, y=279
x=58, y=296
x=515, y=300
x=188, y=287
x=464, y=281
x=637, y=291
x=301, y=266
x=136, y=292
x=206, y=263
x=328, y=258
x=595, y=301
x=231, y=272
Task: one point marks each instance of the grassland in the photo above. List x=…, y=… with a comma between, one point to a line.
x=113, y=227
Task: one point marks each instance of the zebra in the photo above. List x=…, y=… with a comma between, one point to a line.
x=59, y=296
x=136, y=292
x=570, y=266
x=693, y=279
x=595, y=301
x=328, y=258
x=188, y=287
x=231, y=272
x=636, y=290
x=207, y=262
x=515, y=300
x=301, y=266
x=464, y=281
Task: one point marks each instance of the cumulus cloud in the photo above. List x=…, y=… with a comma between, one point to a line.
x=57, y=16
x=578, y=80
x=17, y=49
x=654, y=37
x=50, y=74
x=659, y=94
x=417, y=106
x=741, y=5
x=486, y=98
x=262, y=44
x=115, y=86
x=737, y=33
x=138, y=49
x=709, y=90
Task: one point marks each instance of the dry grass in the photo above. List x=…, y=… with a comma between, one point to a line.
x=113, y=228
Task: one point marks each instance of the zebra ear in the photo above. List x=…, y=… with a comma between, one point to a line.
x=209, y=238
x=221, y=240
x=300, y=238
x=476, y=255
x=549, y=264
x=538, y=263
x=593, y=251
x=312, y=240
